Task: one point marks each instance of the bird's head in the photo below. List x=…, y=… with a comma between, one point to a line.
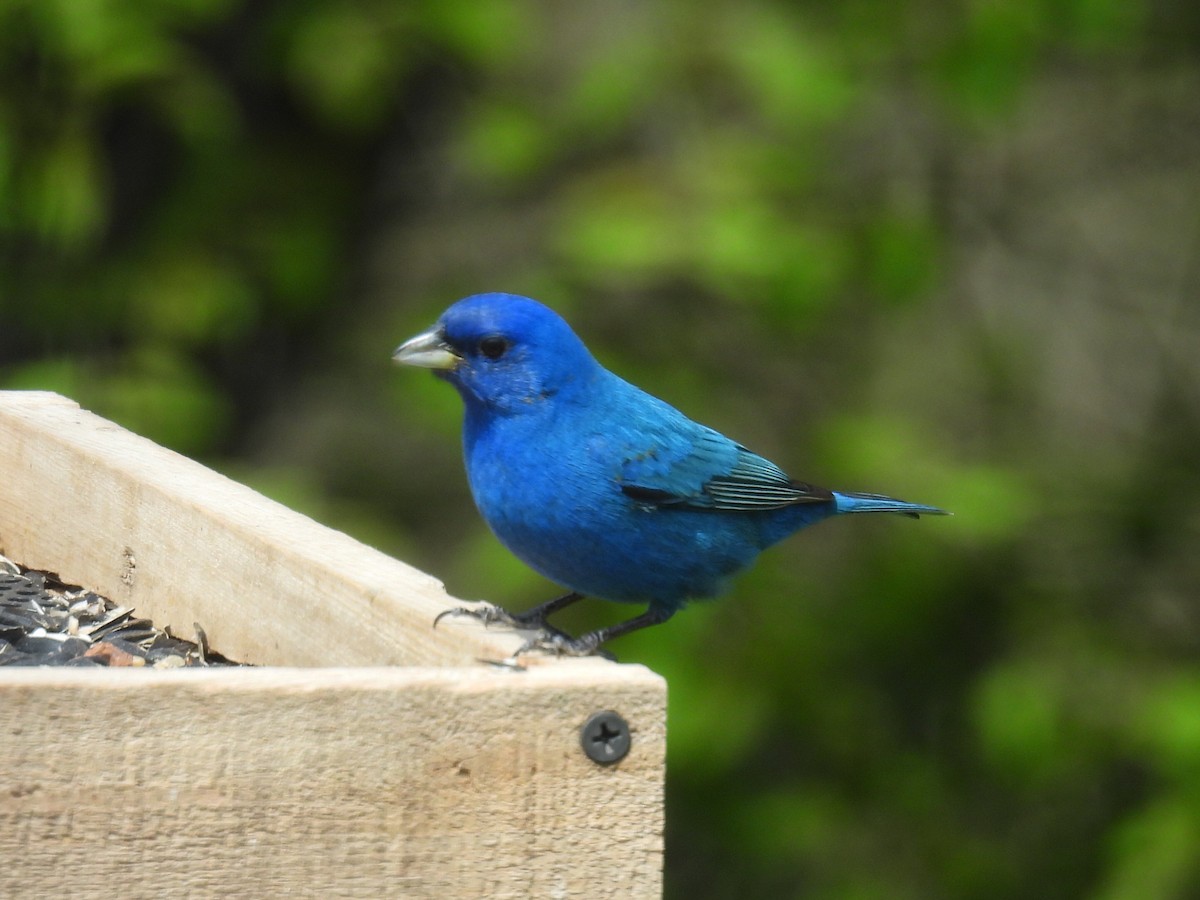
x=502, y=351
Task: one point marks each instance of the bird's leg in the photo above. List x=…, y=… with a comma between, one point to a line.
x=537, y=615
x=554, y=641
x=489, y=614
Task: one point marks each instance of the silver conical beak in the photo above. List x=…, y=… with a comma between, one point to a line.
x=428, y=350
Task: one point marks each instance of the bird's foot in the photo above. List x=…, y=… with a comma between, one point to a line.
x=558, y=643
x=546, y=637
x=487, y=613
x=530, y=620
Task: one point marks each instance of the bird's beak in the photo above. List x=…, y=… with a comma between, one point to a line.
x=428, y=350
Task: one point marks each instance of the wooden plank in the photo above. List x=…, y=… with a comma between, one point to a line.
x=420, y=782
x=154, y=530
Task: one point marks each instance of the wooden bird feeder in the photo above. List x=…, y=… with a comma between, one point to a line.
x=386, y=762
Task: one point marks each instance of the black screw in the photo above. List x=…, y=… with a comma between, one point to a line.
x=605, y=738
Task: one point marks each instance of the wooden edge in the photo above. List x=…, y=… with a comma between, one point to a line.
x=152, y=529
x=590, y=673
x=371, y=782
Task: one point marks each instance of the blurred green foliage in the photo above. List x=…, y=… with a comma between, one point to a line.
x=942, y=250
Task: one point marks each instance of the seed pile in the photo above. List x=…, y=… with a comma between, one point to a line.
x=44, y=622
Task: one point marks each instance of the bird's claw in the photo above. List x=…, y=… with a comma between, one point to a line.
x=561, y=644
x=546, y=637
x=487, y=613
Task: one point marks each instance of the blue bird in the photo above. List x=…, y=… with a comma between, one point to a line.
x=598, y=485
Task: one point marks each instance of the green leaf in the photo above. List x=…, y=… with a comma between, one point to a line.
x=1153, y=853
x=64, y=196
x=504, y=143
x=792, y=78
x=346, y=60
x=620, y=227
x=1020, y=720
x=1170, y=725
x=903, y=256
x=191, y=298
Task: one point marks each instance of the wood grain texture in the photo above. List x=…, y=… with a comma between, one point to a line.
x=151, y=529
x=419, y=782
x=447, y=778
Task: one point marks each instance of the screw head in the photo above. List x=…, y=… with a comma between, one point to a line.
x=605, y=737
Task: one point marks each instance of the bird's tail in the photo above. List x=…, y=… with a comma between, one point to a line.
x=848, y=502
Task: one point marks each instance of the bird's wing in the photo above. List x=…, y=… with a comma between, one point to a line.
x=699, y=468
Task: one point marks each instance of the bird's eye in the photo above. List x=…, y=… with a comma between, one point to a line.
x=494, y=346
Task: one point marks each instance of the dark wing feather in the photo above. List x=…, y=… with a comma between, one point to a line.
x=718, y=474
x=755, y=483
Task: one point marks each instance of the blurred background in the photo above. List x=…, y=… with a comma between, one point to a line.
x=944, y=250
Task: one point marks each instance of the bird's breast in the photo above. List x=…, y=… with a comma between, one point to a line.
x=525, y=468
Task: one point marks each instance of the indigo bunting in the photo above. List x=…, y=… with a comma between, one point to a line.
x=596, y=484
